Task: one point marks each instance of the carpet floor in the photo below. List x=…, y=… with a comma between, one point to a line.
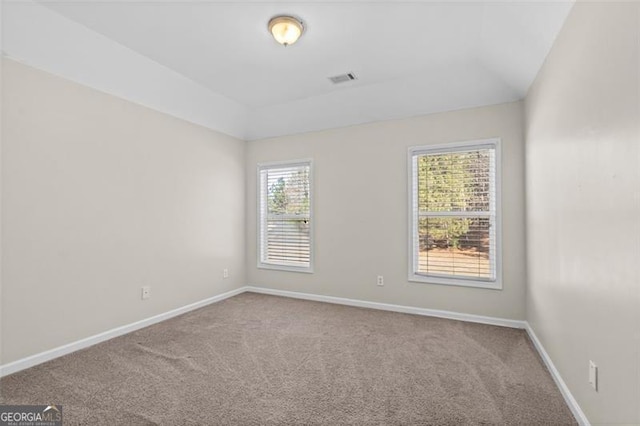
x=263, y=360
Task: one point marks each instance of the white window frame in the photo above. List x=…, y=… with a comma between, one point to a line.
x=493, y=143
x=260, y=219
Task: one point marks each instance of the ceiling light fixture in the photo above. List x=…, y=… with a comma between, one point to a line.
x=286, y=29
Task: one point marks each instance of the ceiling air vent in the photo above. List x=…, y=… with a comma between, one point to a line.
x=342, y=78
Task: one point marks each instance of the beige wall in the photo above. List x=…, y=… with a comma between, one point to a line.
x=583, y=207
x=100, y=197
x=361, y=230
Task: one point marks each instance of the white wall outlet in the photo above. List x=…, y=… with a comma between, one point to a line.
x=380, y=281
x=225, y=273
x=146, y=292
x=593, y=375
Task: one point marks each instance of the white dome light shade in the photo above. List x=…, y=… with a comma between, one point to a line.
x=286, y=29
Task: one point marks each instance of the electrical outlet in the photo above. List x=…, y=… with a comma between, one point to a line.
x=380, y=281
x=225, y=273
x=146, y=292
x=593, y=375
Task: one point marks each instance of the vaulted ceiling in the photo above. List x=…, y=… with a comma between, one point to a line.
x=410, y=58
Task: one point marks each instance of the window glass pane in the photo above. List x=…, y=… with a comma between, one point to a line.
x=288, y=191
x=455, y=181
x=454, y=207
x=285, y=215
x=458, y=246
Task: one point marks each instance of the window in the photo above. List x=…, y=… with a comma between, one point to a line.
x=285, y=216
x=454, y=207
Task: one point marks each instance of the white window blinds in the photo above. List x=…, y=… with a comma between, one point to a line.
x=454, y=214
x=285, y=216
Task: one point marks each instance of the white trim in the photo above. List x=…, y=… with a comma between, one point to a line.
x=460, y=146
x=45, y=356
x=502, y=322
x=454, y=214
x=412, y=276
x=301, y=162
x=581, y=418
x=286, y=267
x=458, y=281
x=304, y=162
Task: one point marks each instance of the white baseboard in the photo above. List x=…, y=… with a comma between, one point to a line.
x=581, y=418
x=389, y=307
x=45, y=356
x=36, y=359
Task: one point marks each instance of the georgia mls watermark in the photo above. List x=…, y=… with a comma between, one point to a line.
x=31, y=415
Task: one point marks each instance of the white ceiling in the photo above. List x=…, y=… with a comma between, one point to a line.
x=410, y=57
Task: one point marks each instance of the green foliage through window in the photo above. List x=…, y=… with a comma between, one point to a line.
x=289, y=193
x=452, y=182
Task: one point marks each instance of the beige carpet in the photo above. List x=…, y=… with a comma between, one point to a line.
x=262, y=360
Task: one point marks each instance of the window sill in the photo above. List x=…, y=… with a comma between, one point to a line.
x=424, y=279
x=287, y=268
